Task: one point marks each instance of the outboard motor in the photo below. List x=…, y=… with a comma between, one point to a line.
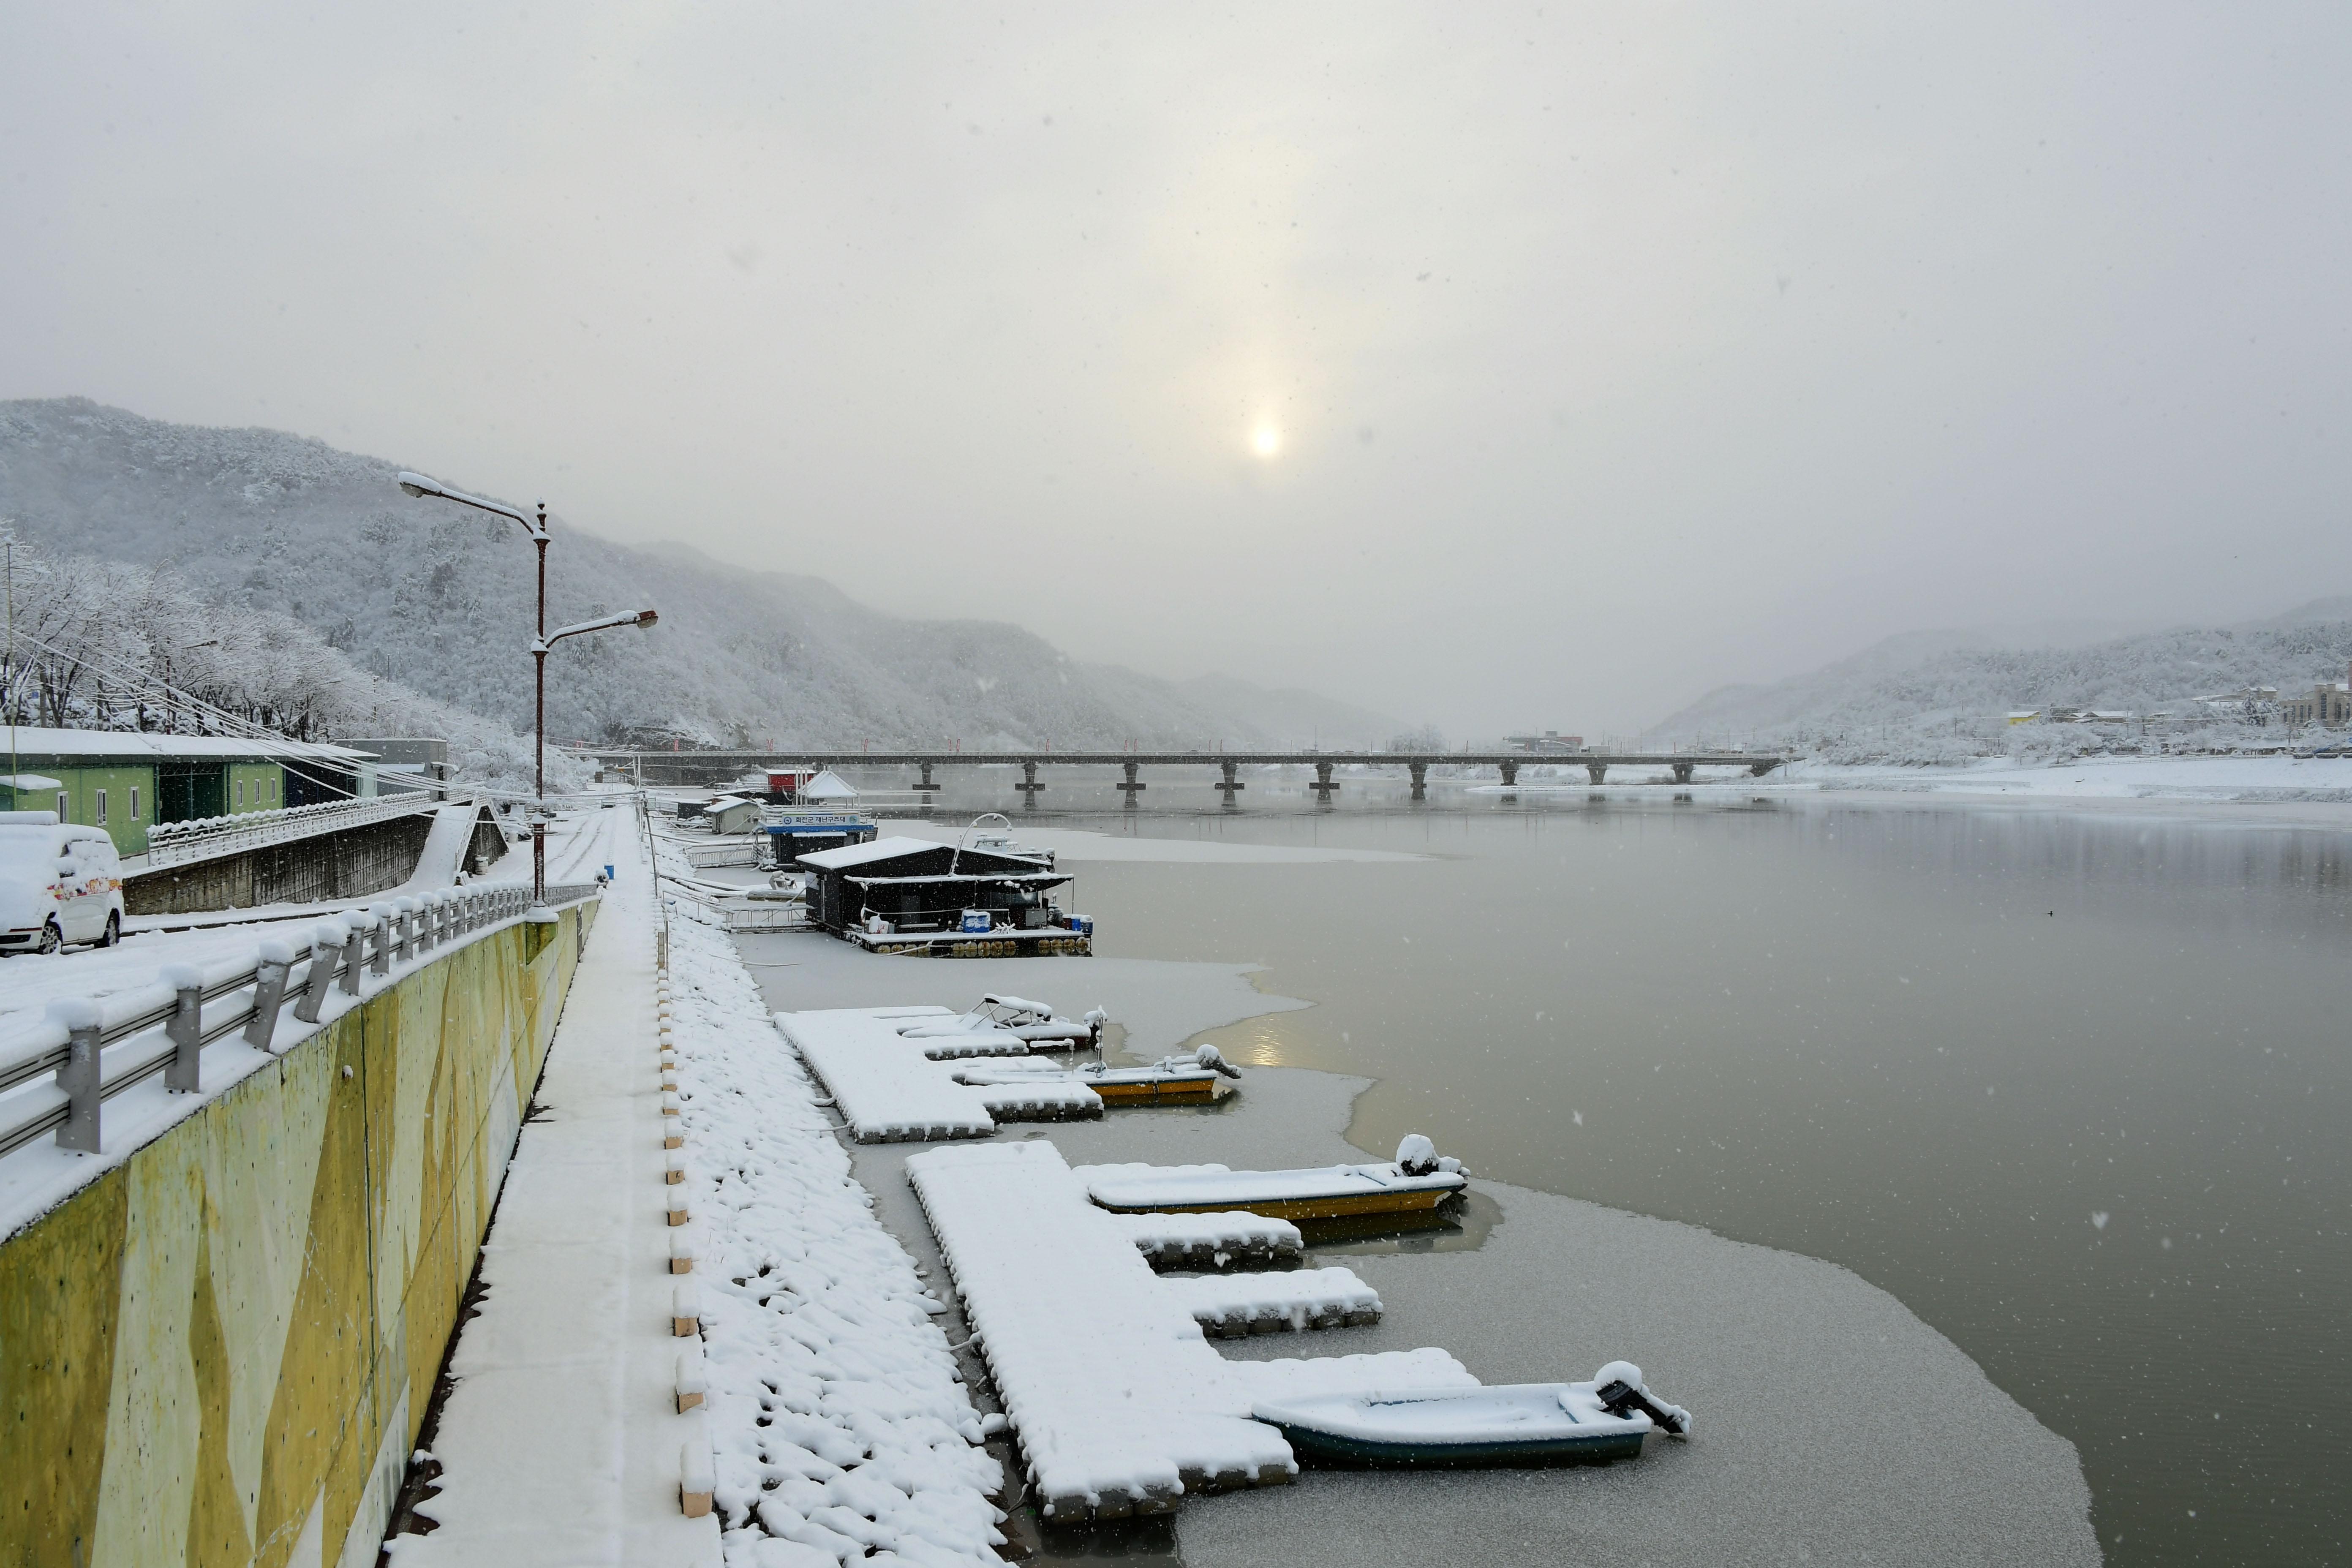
x=1416, y=1156
x=1214, y=1060
x=1619, y=1388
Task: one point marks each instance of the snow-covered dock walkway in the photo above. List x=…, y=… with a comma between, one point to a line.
x=833, y=1424
x=562, y=1442
x=892, y=1089
x=1121, y=1404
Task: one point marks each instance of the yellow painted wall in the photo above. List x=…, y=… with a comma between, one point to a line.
x=220, y=1351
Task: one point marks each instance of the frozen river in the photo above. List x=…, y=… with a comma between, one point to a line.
x=2068, y=1084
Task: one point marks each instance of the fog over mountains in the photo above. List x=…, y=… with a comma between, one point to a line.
x=439, y=598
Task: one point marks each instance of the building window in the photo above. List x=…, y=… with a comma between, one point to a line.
x=240, y=794
x=100, y=818
x=134, y=803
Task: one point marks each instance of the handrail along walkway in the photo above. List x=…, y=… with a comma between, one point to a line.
x=168, y=1024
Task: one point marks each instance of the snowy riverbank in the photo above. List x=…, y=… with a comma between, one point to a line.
x=2105, y=781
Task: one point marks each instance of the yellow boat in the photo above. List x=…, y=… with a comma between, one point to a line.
x=1328, y=1192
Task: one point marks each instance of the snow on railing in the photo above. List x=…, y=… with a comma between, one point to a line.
x=176, y=843
x=96, y=1049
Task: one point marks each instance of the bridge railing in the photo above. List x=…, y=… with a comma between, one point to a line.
x=204, y=838
x=92, y=1050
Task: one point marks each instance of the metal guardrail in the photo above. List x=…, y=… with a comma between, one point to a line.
x=96, y=1049
x=178, y=843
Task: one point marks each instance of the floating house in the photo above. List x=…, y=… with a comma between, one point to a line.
x=128, y=781
x=731, y=814
x=913, y=895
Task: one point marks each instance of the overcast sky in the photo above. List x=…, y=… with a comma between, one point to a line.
x=1499, y=366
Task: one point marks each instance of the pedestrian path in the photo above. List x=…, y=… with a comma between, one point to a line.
x=562, y=1442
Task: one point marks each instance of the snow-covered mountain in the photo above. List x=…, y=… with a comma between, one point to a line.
x=436, y=597
x=1960, y=684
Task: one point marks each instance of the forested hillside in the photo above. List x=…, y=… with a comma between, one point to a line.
x=436, y=598
x=1923, y=697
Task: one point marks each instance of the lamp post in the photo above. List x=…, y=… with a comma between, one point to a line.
x=417, y=485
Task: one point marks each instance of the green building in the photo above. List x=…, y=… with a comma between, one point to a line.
x=127, y=781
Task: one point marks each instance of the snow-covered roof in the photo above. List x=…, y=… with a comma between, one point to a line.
x=850, y=854
x=727, y=803
x=144, y=744
x=827, y=785
x=30, y=780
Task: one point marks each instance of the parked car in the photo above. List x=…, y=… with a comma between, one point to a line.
x=58, y=883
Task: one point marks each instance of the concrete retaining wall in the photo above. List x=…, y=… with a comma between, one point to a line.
x=347, y=865
x=219, y=1352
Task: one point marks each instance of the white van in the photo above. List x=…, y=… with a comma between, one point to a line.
x=58, y=884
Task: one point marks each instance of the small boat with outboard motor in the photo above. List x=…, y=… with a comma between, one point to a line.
x=1513, y=1423
x=1414, y=1183
x=999, y=1016
x=1196, y=1076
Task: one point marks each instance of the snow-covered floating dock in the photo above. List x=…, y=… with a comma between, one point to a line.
x=1209, y=1240
x=1121, y=1404
x=890, y=1089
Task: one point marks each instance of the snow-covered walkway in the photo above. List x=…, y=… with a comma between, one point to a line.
x=562, y=1443
x=833, y=1422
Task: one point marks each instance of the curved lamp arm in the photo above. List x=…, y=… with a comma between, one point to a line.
x=419, y=486
x=602, y=623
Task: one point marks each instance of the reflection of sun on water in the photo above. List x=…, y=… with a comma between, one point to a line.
x=1265, y=441
x=1257, y=1043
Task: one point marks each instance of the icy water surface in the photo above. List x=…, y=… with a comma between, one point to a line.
x=2073, y=1088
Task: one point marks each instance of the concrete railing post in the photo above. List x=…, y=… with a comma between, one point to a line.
x=382, y=929
x=185, y=1029
x=355, y=951
x=270, y=975
x=78, y=1075
x=327, y=945
x=408, y=923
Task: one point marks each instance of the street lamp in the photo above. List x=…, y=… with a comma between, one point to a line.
x=417, y=485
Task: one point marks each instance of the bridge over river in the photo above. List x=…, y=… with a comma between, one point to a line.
x=715, y=767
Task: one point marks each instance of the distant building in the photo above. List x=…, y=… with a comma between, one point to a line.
x=2024, y=715
x=2329, y=706
x=128, y=781
x=1550, y=740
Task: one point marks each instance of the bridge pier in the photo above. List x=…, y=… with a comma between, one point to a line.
x=1598, y=770
x=1029, y=784
x=1323, y=786
x=1231, y=784
x=1510, y=774
x=1131, y=784
x=1682, y=773
x=1760, y=769
x=1420, y=780
x=927, y=783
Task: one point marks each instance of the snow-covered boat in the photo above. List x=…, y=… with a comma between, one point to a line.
x=1416, y=1181
x=1514, y=1423
x=1033, y=1023
x=1196, y=1077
